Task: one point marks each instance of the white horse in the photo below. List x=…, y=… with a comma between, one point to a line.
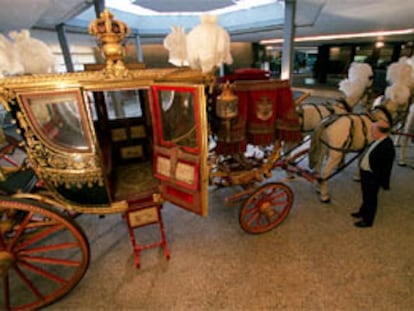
x=407, y=75
x=342, y=134
x=353, y=88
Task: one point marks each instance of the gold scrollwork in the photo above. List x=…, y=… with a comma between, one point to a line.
x=6, y=96
x=60, y=168
x=63, y=177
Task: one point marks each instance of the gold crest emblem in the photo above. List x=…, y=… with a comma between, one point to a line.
x=264, y=109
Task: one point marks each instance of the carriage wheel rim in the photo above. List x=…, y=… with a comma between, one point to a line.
x=50, y=256
x=266, y=208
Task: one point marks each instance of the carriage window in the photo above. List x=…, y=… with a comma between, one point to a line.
x=119, y=104
x=58, y=118
x=123, y=104
x=177, y=117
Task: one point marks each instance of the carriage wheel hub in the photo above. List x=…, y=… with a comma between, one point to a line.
x=6, y=260
x=266, y=209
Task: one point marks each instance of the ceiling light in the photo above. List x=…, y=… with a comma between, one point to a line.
x=344, y=36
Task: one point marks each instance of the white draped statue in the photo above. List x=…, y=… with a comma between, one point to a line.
x=36, y=56
x=10, y=62
x=175, y=43
x=205, y=47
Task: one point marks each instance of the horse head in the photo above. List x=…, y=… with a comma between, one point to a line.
x=393, y=107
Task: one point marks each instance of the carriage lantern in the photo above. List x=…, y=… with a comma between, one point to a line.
x=111, y=33
x=227, y=107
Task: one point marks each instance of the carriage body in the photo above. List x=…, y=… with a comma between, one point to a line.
x=83, y=131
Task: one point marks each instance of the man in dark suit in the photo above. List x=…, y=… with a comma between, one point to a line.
x=375, y=169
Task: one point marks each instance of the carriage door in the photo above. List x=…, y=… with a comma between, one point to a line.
x=180, y=145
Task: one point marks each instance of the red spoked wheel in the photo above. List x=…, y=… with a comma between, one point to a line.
x=43, y=254
x=266, y=208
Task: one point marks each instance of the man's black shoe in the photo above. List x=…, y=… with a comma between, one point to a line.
x=356, y=215
x=362, y=224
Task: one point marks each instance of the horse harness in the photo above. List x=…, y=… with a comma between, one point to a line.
x=341, y=102
x=385, y=111
x=344, y=104
x=347, y=143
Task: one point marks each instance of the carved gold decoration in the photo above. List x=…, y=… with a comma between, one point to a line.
x=4, y=98
x=98, y=80
x=61, y=168
x=110, y=34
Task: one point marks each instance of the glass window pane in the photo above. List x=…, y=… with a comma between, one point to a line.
x=58, y=118
x=177, y=116
x=123, y=104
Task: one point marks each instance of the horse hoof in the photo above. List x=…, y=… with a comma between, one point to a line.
x=356, y=178
x=326, y=200
x=402, y=164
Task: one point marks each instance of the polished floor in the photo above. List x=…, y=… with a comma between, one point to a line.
x=315, y=260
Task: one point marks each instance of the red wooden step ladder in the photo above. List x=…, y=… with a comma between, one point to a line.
x=143, y=212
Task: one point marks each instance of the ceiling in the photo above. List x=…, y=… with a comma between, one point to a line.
x=263, y=21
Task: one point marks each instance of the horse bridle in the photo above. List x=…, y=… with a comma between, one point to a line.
x=384, y=110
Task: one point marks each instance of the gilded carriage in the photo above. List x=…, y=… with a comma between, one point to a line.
x=122, y=138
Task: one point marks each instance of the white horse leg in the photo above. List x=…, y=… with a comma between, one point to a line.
x=318, y=166
x=334, y=159
x=407, y=128
x=401, y=161
x=397, y=141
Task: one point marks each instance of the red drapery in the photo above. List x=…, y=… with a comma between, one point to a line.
x=266, y=113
